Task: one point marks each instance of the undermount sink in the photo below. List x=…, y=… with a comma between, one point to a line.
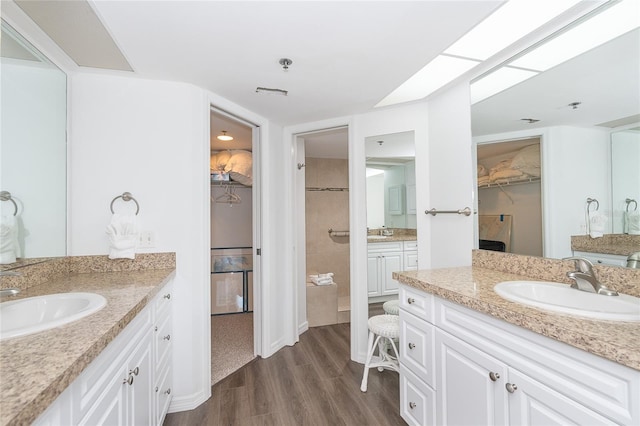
x=35, y=314
x=562, y=298
x=376, y=237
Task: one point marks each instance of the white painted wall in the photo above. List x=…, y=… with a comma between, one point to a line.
x=450, y=187
x=147, y=137
x=625, y=175
x=375, y=201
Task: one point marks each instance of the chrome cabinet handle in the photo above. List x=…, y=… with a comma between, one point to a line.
x=412, y=345
x=167, y=296
x=412, y=405
x=168, y=391
x=167, y=337
x=494, y=376
x=135, y=371
x=511, y=388
x=156, y=389
x=411, y=300
x=128, y=380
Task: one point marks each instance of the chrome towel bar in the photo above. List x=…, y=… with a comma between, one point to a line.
x=466, y=211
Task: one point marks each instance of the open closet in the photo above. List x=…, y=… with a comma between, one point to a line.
x=509, y=196
x=231, y=167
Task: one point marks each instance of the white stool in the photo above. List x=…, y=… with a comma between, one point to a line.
x=387, y=328
x=391, y=307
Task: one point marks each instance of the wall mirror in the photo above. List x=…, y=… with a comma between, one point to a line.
x=625, y=178
x=598, y=89
x=391, y=181
x=33, y=154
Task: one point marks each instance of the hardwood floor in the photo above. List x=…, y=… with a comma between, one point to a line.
x=311, y=383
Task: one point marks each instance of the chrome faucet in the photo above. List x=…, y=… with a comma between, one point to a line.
x=585, y=279
x=9, y=292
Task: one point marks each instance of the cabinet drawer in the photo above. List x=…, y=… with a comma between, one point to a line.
x=410, y=245
x=163, y=301
x=604, y=386
x=417, y=399
x=163, y=338
x=418, y=350
x=163, y=394
x=390, y=246
x=417, y=302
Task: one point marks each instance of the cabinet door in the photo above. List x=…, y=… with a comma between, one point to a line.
x=140, y=394
x=467, y=394
x=110, y=408
x=373, y=275
x=391, y=262
x=534, y=404
x=410, y=260
x=417, y=400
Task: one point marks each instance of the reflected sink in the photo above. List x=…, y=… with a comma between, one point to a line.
x=559, y=297
x=376, y=237
x=35, y=314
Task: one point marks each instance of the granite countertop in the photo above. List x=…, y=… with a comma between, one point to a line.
x=391, y=238
x=473, y=287
x=35, y=369
x=616, y=244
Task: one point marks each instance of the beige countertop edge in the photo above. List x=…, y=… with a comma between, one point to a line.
x=615, y=341
x=43, y=365
x=392, y=239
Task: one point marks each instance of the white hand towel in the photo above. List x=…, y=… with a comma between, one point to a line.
x=597, y=224
x=322, y=281
x=123, y=236
x=632, y=223
x=9, y=246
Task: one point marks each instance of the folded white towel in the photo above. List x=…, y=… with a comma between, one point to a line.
x=9, y=246
x=597, y=224
x=123, y=236
x=322, y=281
x=632, y=223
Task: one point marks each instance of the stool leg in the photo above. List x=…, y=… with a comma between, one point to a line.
x=370, y=349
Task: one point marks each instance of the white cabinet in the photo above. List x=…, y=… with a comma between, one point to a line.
x=129, y=382
x=489, y=372
x=380, y=267
x=386, y=258
x=603, y=258
x=396, y=199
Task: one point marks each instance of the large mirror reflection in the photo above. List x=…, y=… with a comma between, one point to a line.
x=32, y=153
x=578, y=113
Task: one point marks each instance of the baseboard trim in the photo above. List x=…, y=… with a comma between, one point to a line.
x=303, y=327
x=189, y=402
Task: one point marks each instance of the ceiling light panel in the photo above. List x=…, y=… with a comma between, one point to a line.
x=607, y=25
x=514, y=20
x=497, y=81
x=442, y=70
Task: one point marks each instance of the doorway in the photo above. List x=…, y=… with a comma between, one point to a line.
x=509, y=177
x=323, y=201
x=232, y=243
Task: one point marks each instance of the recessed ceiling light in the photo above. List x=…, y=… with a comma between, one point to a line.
x=497, y=81
x=224, y=136
x=512, y=21
x=433, y=76
x=607, y=25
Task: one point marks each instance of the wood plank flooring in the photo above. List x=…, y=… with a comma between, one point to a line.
x=311, y=383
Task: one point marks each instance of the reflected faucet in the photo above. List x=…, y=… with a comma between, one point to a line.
x=585, y=279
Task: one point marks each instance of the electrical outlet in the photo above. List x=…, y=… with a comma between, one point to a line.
x=147, y=239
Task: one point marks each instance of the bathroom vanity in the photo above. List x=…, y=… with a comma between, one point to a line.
x=111, y=367
x=470, y=357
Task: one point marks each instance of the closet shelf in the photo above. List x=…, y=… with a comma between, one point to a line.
x=509, y=182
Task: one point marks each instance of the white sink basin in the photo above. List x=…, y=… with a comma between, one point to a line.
x=376, y=237
x=562, y=298
x=35, y=314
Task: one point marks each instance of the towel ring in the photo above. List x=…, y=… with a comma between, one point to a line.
x=6, y=196
x=126, y=196
x=592, y=200
x=629, y=201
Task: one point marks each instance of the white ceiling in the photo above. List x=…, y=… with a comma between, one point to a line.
x=347, y=55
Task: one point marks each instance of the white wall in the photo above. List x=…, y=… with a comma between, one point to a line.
x=625, y=174
x=231, y=224
x=450, y=167
x=375, y=201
